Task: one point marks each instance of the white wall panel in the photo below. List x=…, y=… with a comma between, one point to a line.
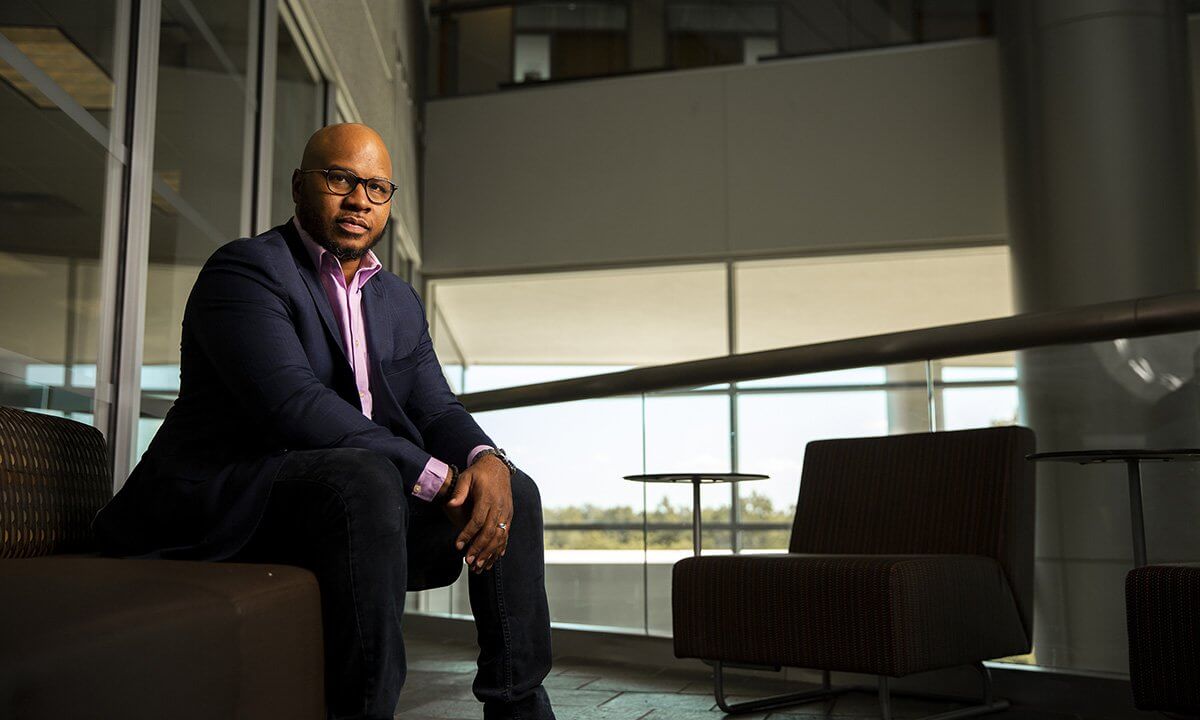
x=883, y=149
x=585, y=173
x=870, y=149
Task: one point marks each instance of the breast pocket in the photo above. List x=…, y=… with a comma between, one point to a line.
x=399, y=374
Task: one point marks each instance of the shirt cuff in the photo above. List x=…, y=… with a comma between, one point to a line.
x=431, y=479
x=475, y=452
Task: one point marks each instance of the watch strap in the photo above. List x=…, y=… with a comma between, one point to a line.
x=503, y=457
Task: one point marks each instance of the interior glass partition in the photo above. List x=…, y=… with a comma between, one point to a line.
x=62, y=169
x=200, y=189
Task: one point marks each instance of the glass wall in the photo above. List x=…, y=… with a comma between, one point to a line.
x=484, y=47
x=610, y=542
x=201, y=190
x=73, y=233
x=610, y=551
x=62, y=164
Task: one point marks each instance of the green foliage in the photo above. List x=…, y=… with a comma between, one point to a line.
x=755, y=509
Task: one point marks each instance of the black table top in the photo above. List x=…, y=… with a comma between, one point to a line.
x=1084, y=457
x=696, y=477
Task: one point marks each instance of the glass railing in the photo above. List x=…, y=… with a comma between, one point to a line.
x=486, y=46
x=610, y=543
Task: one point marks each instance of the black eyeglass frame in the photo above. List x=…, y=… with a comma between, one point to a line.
x=356, y=181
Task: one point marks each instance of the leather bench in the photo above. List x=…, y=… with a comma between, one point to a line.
x=86, y=636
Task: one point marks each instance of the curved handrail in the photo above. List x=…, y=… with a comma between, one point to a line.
x=1138, y=317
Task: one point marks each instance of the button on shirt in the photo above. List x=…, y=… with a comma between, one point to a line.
x=346, y=301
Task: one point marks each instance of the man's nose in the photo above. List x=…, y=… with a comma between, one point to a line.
x=357, y=197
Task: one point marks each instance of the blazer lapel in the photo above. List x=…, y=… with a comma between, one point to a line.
x=309, y=275
x=377, y=318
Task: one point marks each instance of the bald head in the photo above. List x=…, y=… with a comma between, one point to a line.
x=346, y=225
x=347, y=140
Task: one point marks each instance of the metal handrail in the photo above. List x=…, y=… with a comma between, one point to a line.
x=1178, y=312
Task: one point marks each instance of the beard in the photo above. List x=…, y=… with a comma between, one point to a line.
x=325, y=232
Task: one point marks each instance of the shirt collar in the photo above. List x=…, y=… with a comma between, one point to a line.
x=370, y=263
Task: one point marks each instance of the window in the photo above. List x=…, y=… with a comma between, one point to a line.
x=711, y=33
x=569, y=40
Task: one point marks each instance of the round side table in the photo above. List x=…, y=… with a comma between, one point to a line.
x=696, y=480
x=1132, y=459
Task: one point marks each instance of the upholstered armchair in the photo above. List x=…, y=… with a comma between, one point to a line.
x=1162, y=603
x=908, y=553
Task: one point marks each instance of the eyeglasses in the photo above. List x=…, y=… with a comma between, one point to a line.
x=344, y=182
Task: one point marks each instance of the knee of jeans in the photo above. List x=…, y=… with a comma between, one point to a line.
x=373, y=490
x=525, y=493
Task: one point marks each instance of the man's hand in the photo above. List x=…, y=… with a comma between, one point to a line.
x=482, y=501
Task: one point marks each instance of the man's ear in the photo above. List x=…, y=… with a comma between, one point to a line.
x=296, y=177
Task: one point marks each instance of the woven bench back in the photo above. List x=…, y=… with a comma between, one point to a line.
x=53, y=479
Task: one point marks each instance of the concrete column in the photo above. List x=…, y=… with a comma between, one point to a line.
x=1101, y=204
x=908, y=408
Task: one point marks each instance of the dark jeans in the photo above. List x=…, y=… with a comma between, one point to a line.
x=344, y=514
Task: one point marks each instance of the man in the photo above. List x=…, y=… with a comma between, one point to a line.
x=314, y=427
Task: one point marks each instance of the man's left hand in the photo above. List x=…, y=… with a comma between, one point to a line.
x=485, y=489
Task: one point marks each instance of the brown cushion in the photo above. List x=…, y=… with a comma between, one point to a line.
x=92, y=637
x=878, y=614
x=1163, y=607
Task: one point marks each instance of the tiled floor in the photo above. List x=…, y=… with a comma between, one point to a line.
x=440, y=675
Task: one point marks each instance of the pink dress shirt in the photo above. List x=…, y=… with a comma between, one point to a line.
x=346, y=301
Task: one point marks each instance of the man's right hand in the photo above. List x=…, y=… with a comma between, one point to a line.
x=482, y=501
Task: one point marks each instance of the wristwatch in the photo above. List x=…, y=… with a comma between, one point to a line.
x=503, y=456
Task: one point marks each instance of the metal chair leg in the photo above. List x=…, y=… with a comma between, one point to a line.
x=775, y=701
x=987, y=704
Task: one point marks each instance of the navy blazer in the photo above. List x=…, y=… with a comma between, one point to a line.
x=263, y=370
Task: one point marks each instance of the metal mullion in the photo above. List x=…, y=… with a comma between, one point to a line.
x=111, y=232
x=133, y=267
x=263, y=148
x=735, y=499
x=246, y=213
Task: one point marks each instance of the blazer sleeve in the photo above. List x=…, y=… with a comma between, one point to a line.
x=238, y=316
x=449, y=431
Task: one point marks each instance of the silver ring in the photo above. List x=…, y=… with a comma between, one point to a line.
x=503, y=526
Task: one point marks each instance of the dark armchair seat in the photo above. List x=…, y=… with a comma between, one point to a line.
x=878, y=614
x=180, y=639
